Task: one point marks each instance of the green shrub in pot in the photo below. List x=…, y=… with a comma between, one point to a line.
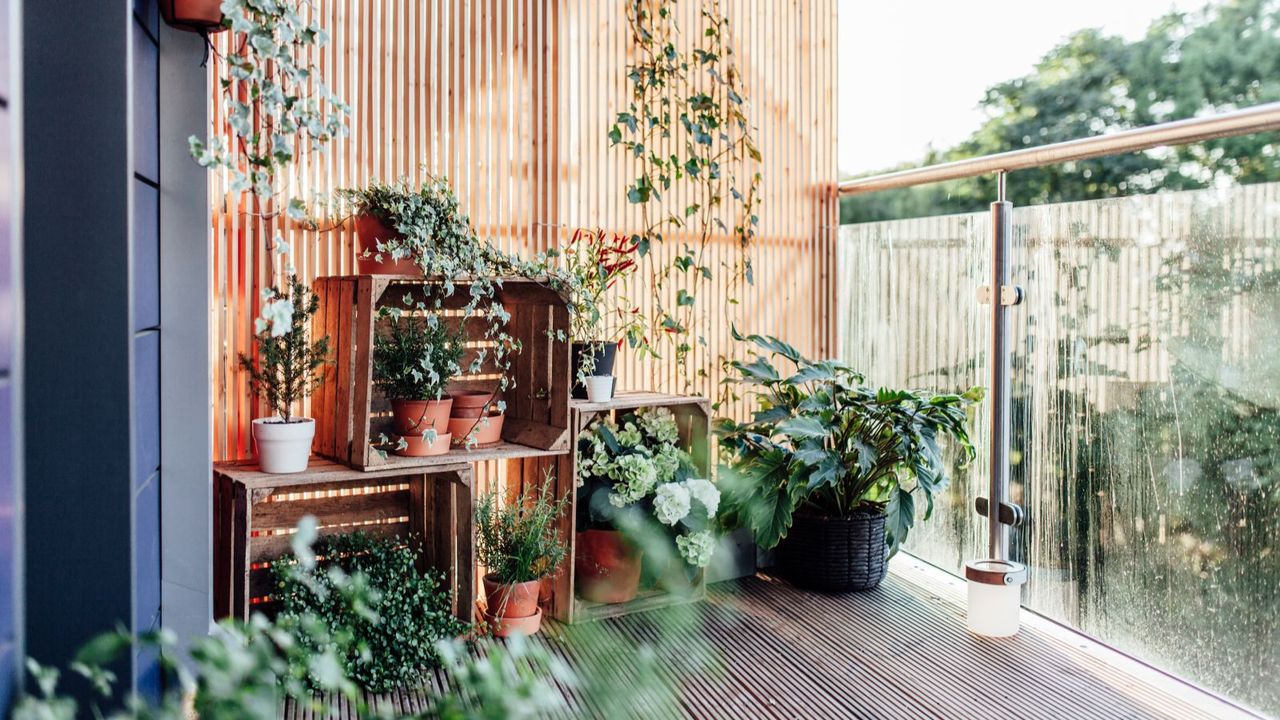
x=826, y=460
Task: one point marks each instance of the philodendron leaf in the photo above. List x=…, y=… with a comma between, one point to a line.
x=824, y=371
x=827, y=472
x=758, y=370
x=901, y=512
x=805, y=426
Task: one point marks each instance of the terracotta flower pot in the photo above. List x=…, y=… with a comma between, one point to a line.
x=508, y=626
x=371, y=229
x=606, y=567
x=511, y=601
x=472, y=400
x=193, y=15
x=414, y=417
x=488, y=431
x=419, y=446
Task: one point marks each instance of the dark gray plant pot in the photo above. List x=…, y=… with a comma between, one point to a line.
x=735, y=557
x=835, y=554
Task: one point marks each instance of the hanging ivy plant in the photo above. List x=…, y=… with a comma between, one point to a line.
x=277, y=104
x=686, y=127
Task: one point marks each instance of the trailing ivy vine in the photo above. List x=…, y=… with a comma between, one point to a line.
x=686, y=127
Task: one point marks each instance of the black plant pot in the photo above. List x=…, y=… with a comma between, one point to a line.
x=604, y=353
x=835, y=554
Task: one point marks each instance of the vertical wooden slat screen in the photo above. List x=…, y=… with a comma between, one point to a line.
x=512, y=100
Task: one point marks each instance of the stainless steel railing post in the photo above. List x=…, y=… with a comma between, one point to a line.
x=998, y=484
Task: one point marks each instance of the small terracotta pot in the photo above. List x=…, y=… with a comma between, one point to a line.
x=414, y=417
x=508, y=626
x=371, y=229
x=606, y=567
x=486, y=433
x=193, y=15
x=419, y=446
x=511, y=601
x=470, y=399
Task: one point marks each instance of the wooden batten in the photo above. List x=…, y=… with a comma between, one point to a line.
x=352, y=414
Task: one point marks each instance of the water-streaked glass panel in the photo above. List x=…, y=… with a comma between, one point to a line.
x=1146, y=412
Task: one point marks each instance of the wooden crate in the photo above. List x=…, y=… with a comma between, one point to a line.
x=255, y=511
x=692, y=416
x=351, y=413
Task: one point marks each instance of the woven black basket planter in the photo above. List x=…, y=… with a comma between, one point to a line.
x=835, y=554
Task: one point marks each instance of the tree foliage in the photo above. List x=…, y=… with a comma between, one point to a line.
x=1222, y=58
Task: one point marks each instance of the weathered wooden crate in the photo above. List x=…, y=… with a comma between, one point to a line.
x=693, y=417
x=255, y=513
x=351, y=414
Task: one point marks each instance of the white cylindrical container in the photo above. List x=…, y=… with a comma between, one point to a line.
x=283, y=447
x=995, y=597
x=600, y=388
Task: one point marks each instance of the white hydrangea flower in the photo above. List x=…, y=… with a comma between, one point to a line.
x=633, y=477
x=659, y=423
x=706, y=493
x=696, y=548
x=629, y=436
x=671, y=503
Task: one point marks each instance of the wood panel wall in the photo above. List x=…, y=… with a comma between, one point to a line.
x=512, y=100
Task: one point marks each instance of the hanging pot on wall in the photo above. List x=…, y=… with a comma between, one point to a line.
x=370, y=229
x=604, y=353
x=201, y=16
x=283, y=447
x=835, y=554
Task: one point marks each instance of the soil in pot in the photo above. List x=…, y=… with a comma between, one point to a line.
x=606, y=567
x=835, y=554
x=488, y=431
x=511, y=600
x=371, y=229
x=283, y=447
x=605, y=355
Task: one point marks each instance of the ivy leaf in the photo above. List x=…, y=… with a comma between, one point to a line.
x=683, y=299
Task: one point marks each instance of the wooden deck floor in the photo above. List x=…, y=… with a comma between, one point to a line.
x=761, y=649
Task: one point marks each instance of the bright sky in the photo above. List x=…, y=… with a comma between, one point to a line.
x=912, y=71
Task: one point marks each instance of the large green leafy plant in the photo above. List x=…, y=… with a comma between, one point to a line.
x=635, y=477
x=391, y=646
x=287, y=359
x=519, y=541
x=825, y=443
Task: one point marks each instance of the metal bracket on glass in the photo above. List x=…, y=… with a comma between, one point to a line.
x=1009, y=295
x=1009, y=514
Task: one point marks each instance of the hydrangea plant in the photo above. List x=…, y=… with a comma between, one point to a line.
x=633, y=476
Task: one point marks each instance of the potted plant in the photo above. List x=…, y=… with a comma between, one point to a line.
x=396, y=221
x=412, y=363
x=828, y=470
x=640, y=504
x=519, y=545
x=202, y=16
x=284, y=374
x=599, y=322
x=476, y=419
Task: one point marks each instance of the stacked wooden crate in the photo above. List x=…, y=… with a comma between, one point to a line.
x=353, y=485
x=692, y=416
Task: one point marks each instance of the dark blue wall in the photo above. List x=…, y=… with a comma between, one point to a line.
x=146, y=328
x=91, y=283
x=10, y=647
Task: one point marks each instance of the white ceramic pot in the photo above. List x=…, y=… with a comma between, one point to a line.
x=283, y=447
x=600, y=388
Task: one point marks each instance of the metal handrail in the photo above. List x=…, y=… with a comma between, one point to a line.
x=1261, y=118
